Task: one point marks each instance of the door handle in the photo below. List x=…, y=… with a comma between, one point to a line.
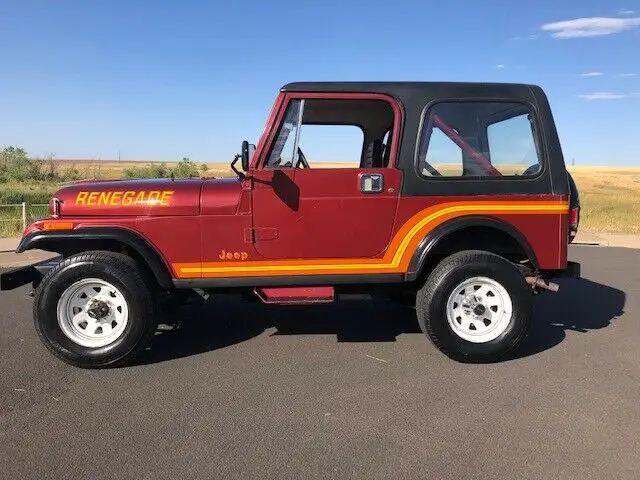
x=371, y=182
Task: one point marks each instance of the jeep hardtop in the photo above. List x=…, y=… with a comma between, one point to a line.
x=456, y=201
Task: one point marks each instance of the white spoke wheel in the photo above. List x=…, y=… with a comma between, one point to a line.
x=479, y=309
x=96, y=309
x=92, y=313
x=475, y=306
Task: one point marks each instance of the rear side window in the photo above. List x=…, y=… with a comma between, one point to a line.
x=444, y=153
x=478, y=139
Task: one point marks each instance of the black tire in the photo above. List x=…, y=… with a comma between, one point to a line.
x=120, y=271
x=431, y=305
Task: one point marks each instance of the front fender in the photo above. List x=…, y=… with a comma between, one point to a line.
x=54, y=241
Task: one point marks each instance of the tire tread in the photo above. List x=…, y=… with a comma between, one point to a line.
x=120, y=264
x=426, y=295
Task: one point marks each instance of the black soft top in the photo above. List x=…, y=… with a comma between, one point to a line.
x=352, y=86
x=402, y=88
x=415, y=97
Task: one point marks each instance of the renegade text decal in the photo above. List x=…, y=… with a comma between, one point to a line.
x=124, y=199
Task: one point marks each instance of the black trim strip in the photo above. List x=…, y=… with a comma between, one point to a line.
x=434, y=237
x=46, y=241
x=286, y=281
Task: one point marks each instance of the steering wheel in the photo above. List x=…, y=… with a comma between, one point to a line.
x=532, y=169
x=302, y=159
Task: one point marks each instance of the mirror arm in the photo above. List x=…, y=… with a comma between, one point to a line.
x=240, y=174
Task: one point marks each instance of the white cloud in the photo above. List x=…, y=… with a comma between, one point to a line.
x=602, y=96
x=590, y=27
x=625, y=11
x=500, y=67
x=627, y=75
x=533, y=36
x=592, y=74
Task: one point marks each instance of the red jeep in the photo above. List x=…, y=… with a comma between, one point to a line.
x=457, y=200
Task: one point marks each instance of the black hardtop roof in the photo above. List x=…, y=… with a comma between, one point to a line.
x=392, y=86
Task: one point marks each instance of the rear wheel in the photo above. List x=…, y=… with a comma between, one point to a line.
x=95, y=309
x=475, y=306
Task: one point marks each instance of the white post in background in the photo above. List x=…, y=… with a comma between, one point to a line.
x=24, y=215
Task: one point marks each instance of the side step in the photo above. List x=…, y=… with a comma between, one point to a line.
x=295, y=295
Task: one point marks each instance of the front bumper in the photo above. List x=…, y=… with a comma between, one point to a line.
x=29, y=274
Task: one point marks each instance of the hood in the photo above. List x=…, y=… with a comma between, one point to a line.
x=147, y=197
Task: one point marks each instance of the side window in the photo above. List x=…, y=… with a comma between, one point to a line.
x=443, y=154
x=333, y=133
x=478, y=139
x=512, y=146
x=332, y=146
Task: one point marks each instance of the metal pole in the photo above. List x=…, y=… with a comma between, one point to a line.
x=24, y=216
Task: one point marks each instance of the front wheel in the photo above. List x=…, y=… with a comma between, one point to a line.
x=475, y=306
x=95, y=309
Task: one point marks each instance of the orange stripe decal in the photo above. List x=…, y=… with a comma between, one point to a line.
x=397, y=256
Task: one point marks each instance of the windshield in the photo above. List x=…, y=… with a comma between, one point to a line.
x=284, y=149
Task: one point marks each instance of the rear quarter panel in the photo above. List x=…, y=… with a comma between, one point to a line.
x=541, y=219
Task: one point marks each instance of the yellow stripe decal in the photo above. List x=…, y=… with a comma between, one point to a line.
x=308, y=265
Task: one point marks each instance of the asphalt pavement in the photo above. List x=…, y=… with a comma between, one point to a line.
x=240, y=390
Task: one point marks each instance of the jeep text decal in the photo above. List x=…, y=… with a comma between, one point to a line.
x=124, y=199
x=224, y=255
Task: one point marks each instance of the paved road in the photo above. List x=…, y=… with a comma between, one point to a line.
x=244, y=391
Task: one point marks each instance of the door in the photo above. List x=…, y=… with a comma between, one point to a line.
x=327, y=186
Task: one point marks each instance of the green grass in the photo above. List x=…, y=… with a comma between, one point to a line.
x=16, y=193
x=33, y=192
x=11, y=218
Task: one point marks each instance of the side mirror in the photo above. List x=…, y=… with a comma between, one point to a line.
x=247, y=153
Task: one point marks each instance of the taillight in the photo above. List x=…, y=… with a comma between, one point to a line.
x=574, y=217
x=574, y=220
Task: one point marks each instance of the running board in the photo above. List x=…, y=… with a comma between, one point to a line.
x=295, y=295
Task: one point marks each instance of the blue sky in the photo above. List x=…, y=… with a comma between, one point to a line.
x=163, y=80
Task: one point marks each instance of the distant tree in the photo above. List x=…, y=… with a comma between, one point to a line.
x=16, y=165
x=49, y=171
x=70, y=174
x=186, y=168
x=149, y=171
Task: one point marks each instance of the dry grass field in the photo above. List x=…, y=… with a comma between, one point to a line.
x=610, y=196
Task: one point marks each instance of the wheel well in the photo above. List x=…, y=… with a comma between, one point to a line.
x=476, y=237
x=146, y=258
